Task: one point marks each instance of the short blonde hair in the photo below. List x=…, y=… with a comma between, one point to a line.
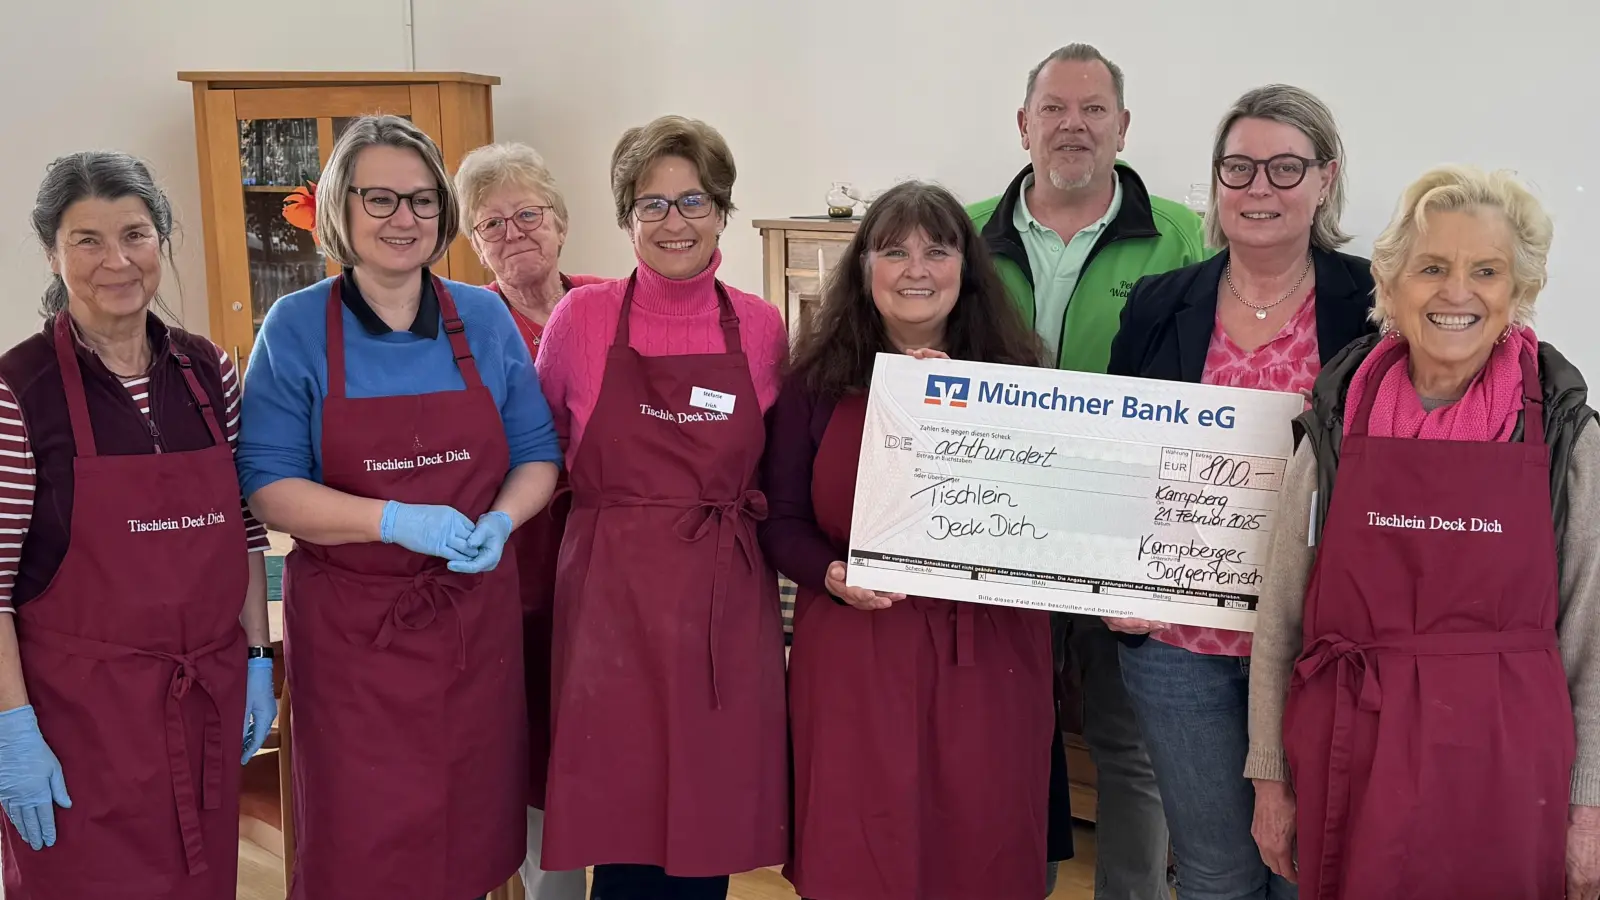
x=639, y=148
x=494, y=166
x=1465, y=188
x=333, y=191
x=1302, y=111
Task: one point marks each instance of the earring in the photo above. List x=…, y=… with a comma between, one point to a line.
x=1503, y=336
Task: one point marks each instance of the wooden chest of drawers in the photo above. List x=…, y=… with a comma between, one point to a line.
x=798, y=254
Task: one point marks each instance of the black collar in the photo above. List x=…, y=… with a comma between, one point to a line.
x=1344, y=295
x=425, y=325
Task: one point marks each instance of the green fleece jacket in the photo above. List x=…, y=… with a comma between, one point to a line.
x=1149, y=236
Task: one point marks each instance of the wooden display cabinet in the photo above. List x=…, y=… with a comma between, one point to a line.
x=260, y=135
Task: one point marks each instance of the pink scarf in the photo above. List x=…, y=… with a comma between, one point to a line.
x=1487, y=412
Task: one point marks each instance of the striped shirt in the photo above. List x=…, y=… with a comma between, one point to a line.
x=17, y=472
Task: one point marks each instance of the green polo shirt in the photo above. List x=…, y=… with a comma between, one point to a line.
x=1056, y=264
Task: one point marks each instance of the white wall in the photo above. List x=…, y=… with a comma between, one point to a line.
x=859, y=90
x=103, y=74
x=872, y=90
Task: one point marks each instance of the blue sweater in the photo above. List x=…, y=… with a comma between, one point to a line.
x=280, y=432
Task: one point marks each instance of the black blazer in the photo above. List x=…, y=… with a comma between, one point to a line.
x=1168, y=319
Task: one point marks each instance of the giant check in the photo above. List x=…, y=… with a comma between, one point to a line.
x=1068, y=491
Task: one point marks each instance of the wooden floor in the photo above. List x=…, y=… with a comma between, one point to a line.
x=261, y=876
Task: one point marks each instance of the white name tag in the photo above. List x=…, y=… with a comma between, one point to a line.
x=716, y=401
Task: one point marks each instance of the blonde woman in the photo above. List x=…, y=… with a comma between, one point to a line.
x=1266, y=313
x=1423, y=694
x=395, y=428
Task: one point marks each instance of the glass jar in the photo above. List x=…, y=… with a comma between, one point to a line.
x=840, y=204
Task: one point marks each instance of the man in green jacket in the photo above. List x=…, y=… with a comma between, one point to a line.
x=1070, y=236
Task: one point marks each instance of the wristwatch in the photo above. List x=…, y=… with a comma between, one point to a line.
x=260, y=652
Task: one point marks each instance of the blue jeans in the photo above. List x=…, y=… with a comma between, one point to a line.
x=1193, y=710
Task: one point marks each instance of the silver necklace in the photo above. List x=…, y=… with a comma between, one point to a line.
x=1261, y=311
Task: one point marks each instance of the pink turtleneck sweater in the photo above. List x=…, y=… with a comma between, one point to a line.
x=670, y=318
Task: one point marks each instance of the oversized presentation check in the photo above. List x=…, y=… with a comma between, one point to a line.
x=1068, y=491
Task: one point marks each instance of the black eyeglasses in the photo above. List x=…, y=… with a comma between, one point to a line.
x=695, y=205
x=380, y=203
x=495, y=228
x=1284, y=171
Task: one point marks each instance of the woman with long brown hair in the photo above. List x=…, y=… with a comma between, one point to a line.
x=921, y=727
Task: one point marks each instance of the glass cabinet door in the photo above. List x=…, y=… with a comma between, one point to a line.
x=263, y=146
x=276, y=157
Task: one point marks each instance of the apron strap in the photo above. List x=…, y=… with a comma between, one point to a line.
x=72, y=381
x=201, y=398
x=727, y=319
x=454, y=331
x=78, y=402
x=1391, y=349
x=1532, y=401
x=335, y=314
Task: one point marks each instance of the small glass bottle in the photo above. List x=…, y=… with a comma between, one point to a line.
x=1198, y=198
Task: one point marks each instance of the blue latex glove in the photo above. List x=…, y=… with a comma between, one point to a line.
x=30, y=778
x=432, y=530
x=260, y=706
x=487, y=541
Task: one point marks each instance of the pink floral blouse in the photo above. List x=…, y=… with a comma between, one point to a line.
x=1290, y=363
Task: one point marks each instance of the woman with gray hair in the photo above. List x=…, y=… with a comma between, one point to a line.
x=394, y=426
x=1266, y=312
x=1425, y=684
x=135, y=636
x=517, y=223
x=516, y=220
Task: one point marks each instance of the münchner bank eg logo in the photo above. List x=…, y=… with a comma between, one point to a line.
x=947, y=390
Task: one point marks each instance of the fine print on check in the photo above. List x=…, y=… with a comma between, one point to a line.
x=1068, y=491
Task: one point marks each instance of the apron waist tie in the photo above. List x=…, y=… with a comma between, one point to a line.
x=1357, y=689
x=734, y=521
x=417, y=600
x=185, y=675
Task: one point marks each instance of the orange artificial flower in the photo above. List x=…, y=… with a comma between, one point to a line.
x=300, y=208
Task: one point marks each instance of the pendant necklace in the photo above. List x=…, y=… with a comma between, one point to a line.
x=1261, y=311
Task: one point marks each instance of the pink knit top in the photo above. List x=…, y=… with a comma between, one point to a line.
x=670, y=318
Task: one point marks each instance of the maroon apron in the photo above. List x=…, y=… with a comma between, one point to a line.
x=537, y=545
x=410, y=748
x=1429, y=729
x=922, y=732
x=134, y=660
x=670, y=734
